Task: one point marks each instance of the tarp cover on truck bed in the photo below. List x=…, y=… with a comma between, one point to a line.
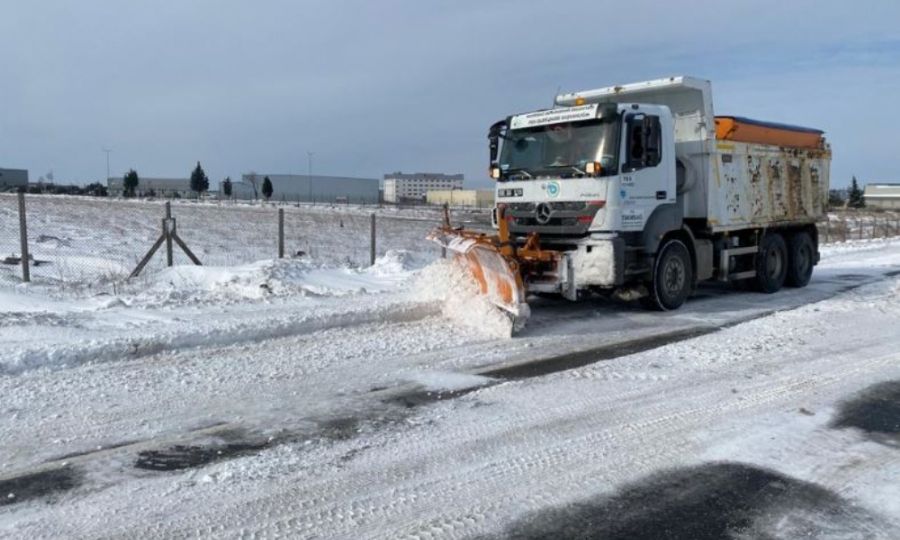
x=740, y=129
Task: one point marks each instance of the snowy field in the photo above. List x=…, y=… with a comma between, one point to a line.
x=89, y=245
x=321, y=398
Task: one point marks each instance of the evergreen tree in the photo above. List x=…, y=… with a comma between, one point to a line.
x=855, y=196
x=130, y=183
x=836, y=198
x=199, y=181
x=267, y=188
x=96, y=189
x=226, y=187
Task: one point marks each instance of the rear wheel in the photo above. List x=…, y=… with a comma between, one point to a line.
x=673, y=277
x=771, y=263
x=801, y=254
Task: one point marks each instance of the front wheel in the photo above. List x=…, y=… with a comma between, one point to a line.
x=673, y=277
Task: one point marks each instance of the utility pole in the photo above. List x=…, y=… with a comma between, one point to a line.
x=309, y=156
x=107, y=150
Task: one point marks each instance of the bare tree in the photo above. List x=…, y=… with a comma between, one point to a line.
x=253, y=178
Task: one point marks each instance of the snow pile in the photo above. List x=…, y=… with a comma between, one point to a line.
x=394, y=262
x=447, y=381
x=273, y=278
x=451, y=284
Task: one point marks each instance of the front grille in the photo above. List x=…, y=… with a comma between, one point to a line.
x=553, y=222
x=521, y=207
x=571, y=206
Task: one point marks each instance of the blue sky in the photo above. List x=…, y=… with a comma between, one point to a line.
x=374, y=87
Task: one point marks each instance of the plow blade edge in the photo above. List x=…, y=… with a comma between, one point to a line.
x=497, y=276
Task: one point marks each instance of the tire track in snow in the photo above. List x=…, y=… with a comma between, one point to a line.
x=269, y=328
x=592, y=447
x=552, y=459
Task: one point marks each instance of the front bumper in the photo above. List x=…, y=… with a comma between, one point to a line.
x=595, y=261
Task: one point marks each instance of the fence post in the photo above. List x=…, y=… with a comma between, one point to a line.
x=372, y=239
x=168, y=234
x=861, y=226
x=827, y=222
x=281, y=233
x=23, y=239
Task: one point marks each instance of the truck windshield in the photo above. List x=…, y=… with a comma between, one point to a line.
x=560, y=149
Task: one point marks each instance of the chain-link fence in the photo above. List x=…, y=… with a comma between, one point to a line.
x=845, y=225
x=10, y=246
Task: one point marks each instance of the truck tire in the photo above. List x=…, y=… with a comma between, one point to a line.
x=771, y=263
x=801, y=255
x=673, y=277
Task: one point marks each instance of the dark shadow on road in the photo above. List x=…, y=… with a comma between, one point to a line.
x=875, y=411
x=712, y=501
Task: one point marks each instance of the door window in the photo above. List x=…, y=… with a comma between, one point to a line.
x=643, y=143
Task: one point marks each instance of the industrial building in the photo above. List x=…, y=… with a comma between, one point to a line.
x=13, y=179
x=400, y=187
x=305, y=188
x=882, y=195
x=470, y=198
x=152, y=187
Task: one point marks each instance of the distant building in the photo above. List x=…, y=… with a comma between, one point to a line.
x=303, y=188
x=153, y=187
x=474, y=198
x=399, y=187
x=13, y=179
x=882, y=195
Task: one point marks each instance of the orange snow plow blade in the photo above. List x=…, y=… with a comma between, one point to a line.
x=497, y=276
x=497, y=265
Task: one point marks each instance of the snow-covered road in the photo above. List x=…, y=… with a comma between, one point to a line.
x=759, y=411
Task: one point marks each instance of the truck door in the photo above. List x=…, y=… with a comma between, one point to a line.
x=644, y=184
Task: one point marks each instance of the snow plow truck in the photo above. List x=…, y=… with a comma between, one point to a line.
x=639, y=191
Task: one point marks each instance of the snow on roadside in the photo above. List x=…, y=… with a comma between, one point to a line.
x=272, y=278
x=446, y=381
x=188, y=306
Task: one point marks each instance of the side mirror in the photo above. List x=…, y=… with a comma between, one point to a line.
x=494, y=134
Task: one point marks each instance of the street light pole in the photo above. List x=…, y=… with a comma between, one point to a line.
x=107, y=150
x=309, y=156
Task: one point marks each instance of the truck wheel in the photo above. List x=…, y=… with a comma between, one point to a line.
x=771, y=263
x=673, y=277
x=800, y=260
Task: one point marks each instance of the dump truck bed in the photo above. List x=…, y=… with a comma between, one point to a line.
x=765, y=185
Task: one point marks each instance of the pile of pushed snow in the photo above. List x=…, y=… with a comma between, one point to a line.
x=265, y=279
x=452, y=284
x=446, y=381
x=393, y=263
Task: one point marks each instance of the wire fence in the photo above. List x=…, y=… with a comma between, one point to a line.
x=85, y=243
x=95, y=244
x=848, y=225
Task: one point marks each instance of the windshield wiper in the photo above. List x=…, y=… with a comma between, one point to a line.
x=523, y=172
x=573, y=167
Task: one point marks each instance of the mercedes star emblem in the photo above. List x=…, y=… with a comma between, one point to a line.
x=543, y=213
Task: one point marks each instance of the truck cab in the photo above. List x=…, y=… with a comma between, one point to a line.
x=605, y=172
